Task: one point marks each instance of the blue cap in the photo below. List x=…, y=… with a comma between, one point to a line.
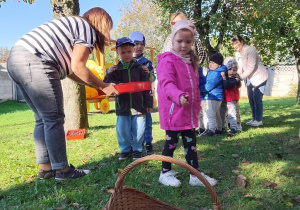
x=124, y=40
x=137, y=36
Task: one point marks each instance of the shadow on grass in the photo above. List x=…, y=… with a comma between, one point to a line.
x=12, y=106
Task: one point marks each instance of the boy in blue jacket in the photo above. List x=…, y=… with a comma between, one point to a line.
x=214, y=94
x=139, y=41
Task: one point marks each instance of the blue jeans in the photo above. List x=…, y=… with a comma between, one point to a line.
x=40, y=85
x=148, y=129
x=255, y=96
x=131, y=126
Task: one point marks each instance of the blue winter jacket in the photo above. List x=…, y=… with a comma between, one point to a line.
x=202, y=82
x=214, y=84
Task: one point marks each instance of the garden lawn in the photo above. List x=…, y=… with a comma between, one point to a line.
x=268, y=157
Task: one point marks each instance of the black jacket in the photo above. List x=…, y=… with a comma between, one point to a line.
x=131, y=103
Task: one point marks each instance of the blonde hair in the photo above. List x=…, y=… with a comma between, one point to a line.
x=175, y=14
x=102, y=23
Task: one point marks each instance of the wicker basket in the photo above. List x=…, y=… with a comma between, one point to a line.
x=128, y=198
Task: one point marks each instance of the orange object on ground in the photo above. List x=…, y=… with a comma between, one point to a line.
x=77, y=134
x=132, y=87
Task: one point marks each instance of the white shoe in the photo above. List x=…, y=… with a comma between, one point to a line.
x=194, y=181
x=248, y=123
x=256, y=123
x=169, y=179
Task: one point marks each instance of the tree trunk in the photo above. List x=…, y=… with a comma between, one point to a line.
x=74, y=94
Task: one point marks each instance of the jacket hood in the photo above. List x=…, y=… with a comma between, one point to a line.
x=222, y=68
x=163, y=55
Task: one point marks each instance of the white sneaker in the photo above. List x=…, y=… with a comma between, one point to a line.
x=169, y=179
x=239, y=128
x=248, y=123
x=194, y=181
x=256, y=123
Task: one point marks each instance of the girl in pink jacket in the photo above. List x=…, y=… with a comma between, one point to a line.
x=179, y=101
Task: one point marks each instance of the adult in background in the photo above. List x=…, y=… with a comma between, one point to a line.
x=38, y=61
x=255, y=75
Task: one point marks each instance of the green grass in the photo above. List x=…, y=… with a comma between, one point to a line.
x=270, y=153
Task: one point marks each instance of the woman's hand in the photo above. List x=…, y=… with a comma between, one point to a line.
x=184, y=100
x=110, y=89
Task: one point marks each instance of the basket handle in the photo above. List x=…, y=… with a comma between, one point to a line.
x=120, y=180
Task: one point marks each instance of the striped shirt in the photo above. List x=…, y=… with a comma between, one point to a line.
x=54, y=41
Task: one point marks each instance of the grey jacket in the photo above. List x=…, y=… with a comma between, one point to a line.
x=250, y=66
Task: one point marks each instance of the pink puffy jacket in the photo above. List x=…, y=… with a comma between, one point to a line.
x=174, y=79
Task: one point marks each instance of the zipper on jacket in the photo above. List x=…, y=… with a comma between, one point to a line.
x=130, y=95
x=193, y=95
x=171, y=112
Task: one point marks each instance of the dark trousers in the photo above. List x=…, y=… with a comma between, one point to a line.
x=255, y=97
x=189, y=143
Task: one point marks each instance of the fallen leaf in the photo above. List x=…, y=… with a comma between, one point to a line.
x=235, y=155
x=297, y=199
x=270, y=184
x=289, y=204
x=75, y=204
x=298, y=167
x=248, y=195
x=31, y=166
x=60, y=207
x=110, y=190
x=120, y=170
x=246, y=161
x=85, y=161
x=285, y=195
x=276, y=188
x=114, y=153
x=99, y=147
x=226, y=194
x=241, y=181
x=146, y=166
x=145, y=183
x=199, y=157
x=237, y=171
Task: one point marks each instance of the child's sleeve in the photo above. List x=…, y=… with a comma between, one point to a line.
x=166, y=76
x=229, y=83
x=148, y=102
x=152, y=76
x=112, y=78
x=213, y=82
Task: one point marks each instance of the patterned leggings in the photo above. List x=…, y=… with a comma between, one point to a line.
x=189, y=143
